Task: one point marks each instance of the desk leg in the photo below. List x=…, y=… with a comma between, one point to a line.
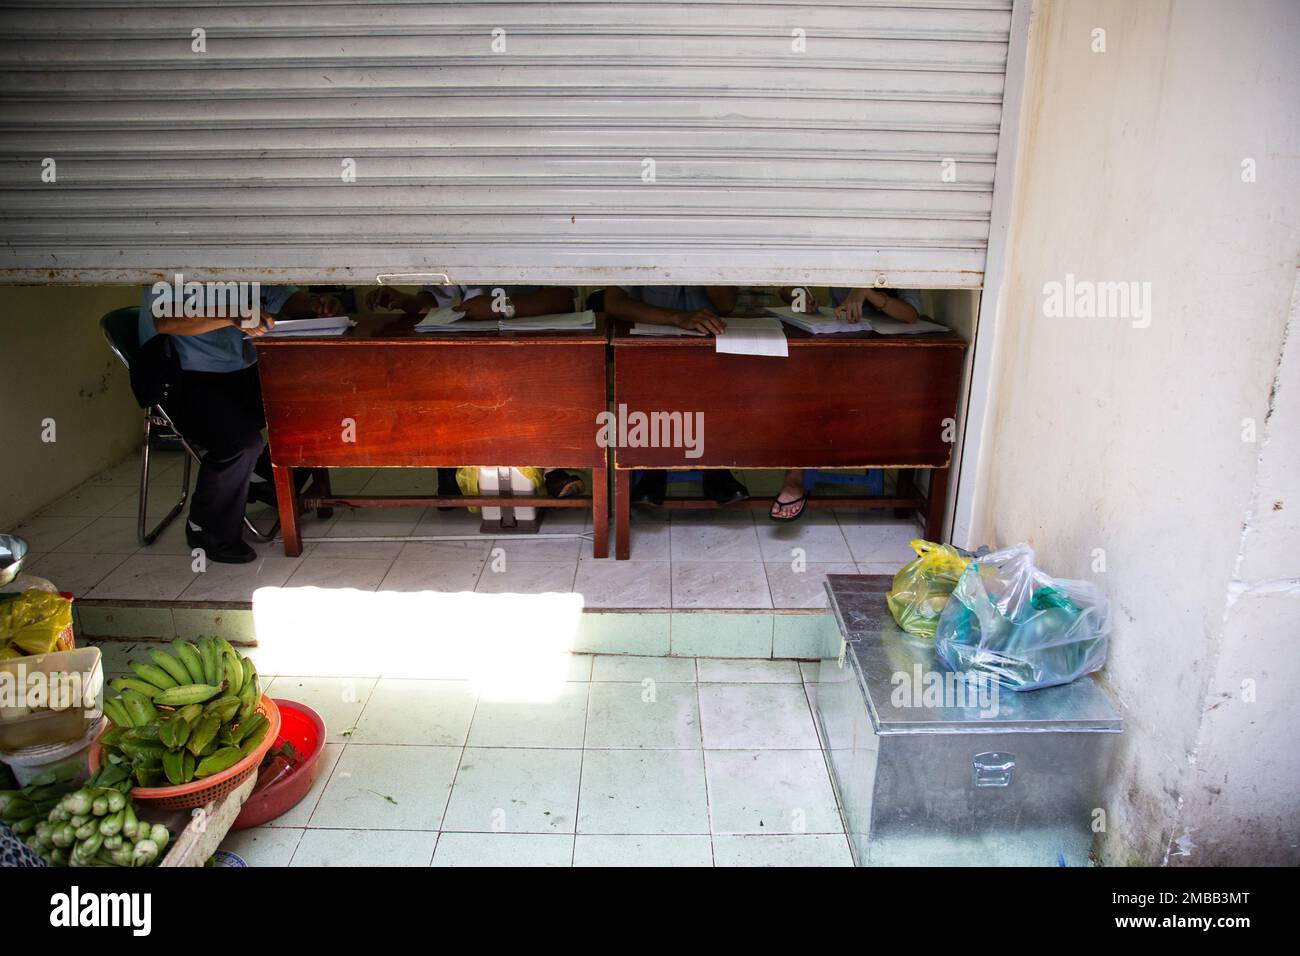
x=600, y=512
x=935, y=505
x=622, y=514
x=286, y=494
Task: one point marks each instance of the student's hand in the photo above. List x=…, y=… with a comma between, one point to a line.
x=850, y=310
x=479, y=307
x=810, y=305
x=701, y=320
x=326, y=304
x=385, y=297
x=265, y=323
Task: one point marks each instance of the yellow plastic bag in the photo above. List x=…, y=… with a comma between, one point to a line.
x=467, y=479
x=922, y=587
x=35, y=622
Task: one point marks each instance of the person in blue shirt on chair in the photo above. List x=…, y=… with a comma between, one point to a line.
x=484, y=302
x=851, y=305
x=696, y=309
x=219, y=408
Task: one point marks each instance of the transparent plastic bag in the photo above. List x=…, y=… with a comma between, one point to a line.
x=1027, y=630
x=467, y=481
x=35, y=622
x=922, y=587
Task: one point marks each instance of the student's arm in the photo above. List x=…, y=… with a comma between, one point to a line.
x=723, y=298
x=548, y=301
x=197, y=325
x=412, y=303
x=304, y=305
x=620, y=305
x=898, y=309
x=787, y=294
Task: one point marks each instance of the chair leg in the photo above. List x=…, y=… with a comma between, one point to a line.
x=147, y=537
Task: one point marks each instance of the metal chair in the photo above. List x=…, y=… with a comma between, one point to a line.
x=121, y=329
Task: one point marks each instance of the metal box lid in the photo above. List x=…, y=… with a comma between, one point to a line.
x=909, y=690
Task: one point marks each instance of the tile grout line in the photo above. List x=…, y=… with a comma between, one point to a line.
x=704, y=766
x=582, y=761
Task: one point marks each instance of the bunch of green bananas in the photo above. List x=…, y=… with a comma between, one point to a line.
x=188, y=714
x=95, y=825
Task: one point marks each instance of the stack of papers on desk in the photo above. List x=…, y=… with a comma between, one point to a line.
x=756, y=335
x=824, y=322
x=552, y=323
x=438, y=319
x=322, y=325
x=448, y=320
x=821, y=322
x=894, y=327
x=647, y=328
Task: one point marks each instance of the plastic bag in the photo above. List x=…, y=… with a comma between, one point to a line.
x=467, y=480
x=1027, y=630
x=35, y=622
x=922, y=587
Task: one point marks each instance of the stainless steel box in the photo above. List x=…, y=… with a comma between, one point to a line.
x=929, y=772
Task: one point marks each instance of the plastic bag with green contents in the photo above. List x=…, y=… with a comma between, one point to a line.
x=467, y=480
x=923, y=586
x=35, y=622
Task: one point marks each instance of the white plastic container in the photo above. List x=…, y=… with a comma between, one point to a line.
x=30, y=762
x=46, y=726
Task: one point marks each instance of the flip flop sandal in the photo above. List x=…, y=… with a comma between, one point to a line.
x=562, y=484
x=800, y=501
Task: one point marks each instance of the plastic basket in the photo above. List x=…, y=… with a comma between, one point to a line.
x=198, y=793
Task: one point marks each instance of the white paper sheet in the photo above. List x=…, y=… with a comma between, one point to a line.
x=649, y=328
x=894, y=327
x=821, y=322
x=756, y=335
x=558, y=322
x=438, y=319
x=316, y=326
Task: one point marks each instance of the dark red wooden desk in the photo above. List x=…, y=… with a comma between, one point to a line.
x=423, y=400
x=859, y=400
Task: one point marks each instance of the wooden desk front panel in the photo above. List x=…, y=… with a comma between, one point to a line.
x=432, y=404
x=851, y=404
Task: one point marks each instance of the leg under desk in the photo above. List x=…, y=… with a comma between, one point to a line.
x=936, y=503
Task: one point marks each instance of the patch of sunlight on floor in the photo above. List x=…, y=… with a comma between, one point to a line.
x=511, y=647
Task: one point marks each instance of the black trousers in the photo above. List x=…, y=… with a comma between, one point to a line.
x=221, y=412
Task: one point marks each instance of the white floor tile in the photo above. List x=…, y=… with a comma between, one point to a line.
x=805, y=849
x=359, y=848
x=643, y=791
x=592, y=849
x=503, y=849
x=511, y=790
x=720, y=585
x=756, y=716
x=770, y=791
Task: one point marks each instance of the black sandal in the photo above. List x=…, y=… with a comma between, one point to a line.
x=564, y=484
x=801, y=501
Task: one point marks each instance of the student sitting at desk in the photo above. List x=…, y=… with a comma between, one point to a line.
x=696, y=309
x=511, y=301
x=852, y=305
x=219, y=408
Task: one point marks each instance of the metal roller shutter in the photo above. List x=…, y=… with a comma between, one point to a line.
x=826, y=165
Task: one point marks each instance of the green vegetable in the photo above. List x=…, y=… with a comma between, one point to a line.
x=172, y=665
x=189, y=656
x=152, y=674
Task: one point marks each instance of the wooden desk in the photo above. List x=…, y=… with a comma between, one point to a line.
x=858, y=400
x=423, y=400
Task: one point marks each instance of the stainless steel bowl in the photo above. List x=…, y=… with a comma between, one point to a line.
x=13, y=551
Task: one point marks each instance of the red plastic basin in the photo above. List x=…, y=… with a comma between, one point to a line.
x=305, y=730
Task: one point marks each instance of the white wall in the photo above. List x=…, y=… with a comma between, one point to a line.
x=1107, y=436
x=54, y=364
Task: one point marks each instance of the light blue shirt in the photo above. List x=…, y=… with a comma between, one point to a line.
x=445, y=295
x=910, y=296
x=221, y=350
x=683, y=298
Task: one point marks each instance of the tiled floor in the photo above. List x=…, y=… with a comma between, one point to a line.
x=619, y=761
x=85, y=542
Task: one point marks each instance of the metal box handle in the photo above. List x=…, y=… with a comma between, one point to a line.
x=993, y=769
